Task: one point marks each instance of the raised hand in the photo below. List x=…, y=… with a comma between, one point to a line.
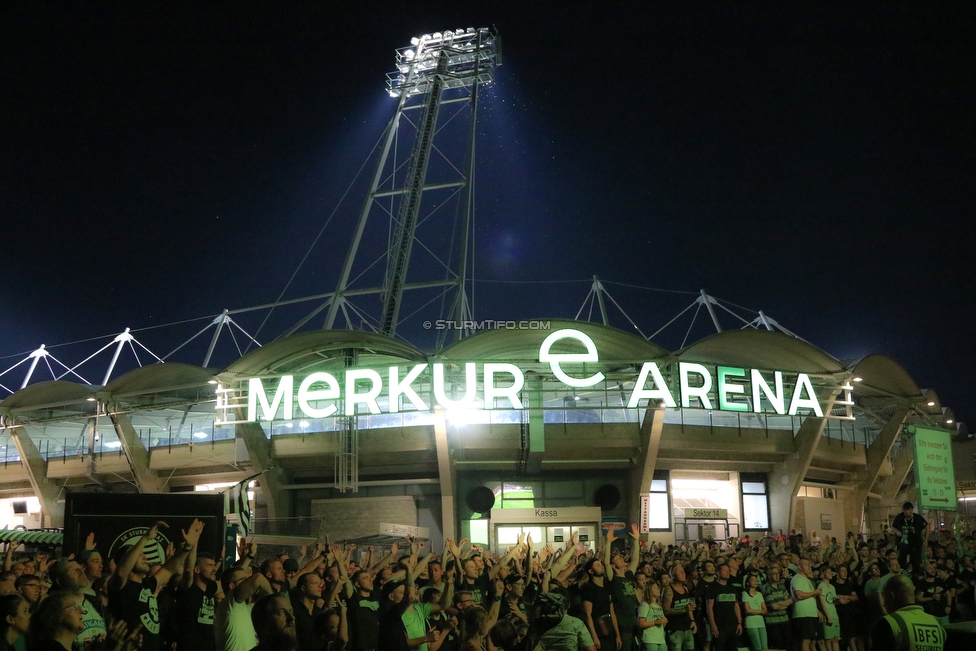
x=90, y=541
x=192, y=535
x=634, y=532
x=153, y=530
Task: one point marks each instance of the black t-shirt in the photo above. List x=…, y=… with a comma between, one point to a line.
x=480, y=590
x=724, y=597
x=680, y=601
x=305, y=625
x=599, y=596
x=364, y=621
x=625, y=601
x=392, y=632
x=194, y=613
x=911, y=529
x=936, y=590
x=136, y=604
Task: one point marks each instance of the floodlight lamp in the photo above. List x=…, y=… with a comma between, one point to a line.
x=199, y=435
x=90, y=399
x=415, y=41
x=458, y=31
x=409, y=54
x=470, y=30
x=437, y=36
x=931, y=403
x=857, y=379
x=948, y=421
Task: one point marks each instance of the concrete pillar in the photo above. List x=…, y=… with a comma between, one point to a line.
x=135, y=454
x=643, y=471
x=273, y=478
x=864, y=479
x=47, y=491
x=447, y=474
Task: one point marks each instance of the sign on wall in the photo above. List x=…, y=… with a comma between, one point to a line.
x=934, y=474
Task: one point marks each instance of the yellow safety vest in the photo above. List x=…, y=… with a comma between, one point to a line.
x=916, y=630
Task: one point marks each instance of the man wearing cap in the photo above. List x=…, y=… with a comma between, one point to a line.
x=906, y=626
x=71, y=576
x=911, y=529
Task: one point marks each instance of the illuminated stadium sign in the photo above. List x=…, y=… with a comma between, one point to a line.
x=322, y=394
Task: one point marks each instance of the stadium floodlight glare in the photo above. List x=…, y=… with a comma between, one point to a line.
x=456, y=58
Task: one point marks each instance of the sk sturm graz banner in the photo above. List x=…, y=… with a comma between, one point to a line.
x=933, y=469
x=121, y=520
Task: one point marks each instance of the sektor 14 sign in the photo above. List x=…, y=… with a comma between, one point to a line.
x=426, y=386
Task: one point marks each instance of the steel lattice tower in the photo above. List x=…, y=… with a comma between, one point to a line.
x=438, y=71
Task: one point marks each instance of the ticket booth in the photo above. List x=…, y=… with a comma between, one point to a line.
x=547, y=525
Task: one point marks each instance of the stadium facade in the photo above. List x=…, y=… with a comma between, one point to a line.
x=554, y=429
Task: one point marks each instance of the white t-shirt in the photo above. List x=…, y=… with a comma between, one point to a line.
x=232, y=625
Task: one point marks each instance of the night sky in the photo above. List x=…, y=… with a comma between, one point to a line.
x=160, y=164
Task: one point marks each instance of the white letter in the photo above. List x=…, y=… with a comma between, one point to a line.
x=803, y=384
x=398, y=388
x=492, y=392
x=687, y=391
x=368, y=398
x=306, y=395
x=555, y=359
x=255, y=392
x=777, y=400
x=725, y=388
x=662, y=392
x=440, y=396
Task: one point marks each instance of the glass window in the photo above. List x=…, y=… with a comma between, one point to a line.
x=758, y=488
x=755, y=512
x=658, y=512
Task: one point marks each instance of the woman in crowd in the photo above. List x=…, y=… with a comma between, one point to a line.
x=651, y=620
x=755, y=609
x=14, y=621
x=57, y=622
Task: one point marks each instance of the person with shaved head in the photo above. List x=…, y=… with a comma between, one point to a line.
x=906, y=626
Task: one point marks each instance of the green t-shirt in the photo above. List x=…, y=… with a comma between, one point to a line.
x=415, y=621
x=803, y=607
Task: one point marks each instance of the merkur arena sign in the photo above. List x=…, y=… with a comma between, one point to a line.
x=322, y=394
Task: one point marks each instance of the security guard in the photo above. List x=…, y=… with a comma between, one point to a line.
x=906, y=627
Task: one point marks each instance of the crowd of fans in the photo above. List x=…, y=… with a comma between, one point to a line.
x=774, y=592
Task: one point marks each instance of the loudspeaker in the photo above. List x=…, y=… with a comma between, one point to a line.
x=480, y=499
x=20, y=507
x=607, y=497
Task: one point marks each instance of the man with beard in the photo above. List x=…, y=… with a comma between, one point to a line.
x=132, y=589
x=274, y=623
x=195, y=604
x=598, y=610
x=620, y=574
x=72, y=577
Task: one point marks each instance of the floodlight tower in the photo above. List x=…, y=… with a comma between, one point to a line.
x=436, y=70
